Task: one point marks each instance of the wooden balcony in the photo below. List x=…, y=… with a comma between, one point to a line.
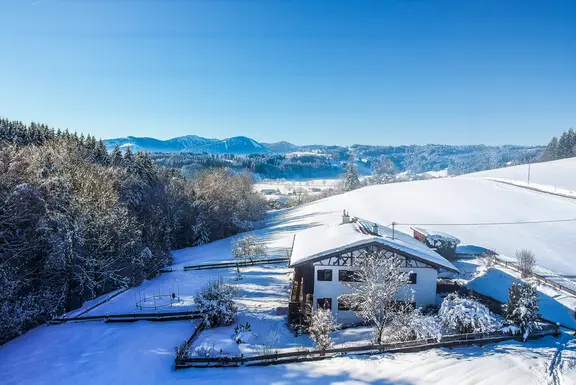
x=300, y=305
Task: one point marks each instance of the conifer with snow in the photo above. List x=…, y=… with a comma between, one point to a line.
x=322, y=323
x=521, y=309
x=351, y=180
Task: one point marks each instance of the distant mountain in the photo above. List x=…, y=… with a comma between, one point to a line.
x=416, y=159
x=190, y=143
x=236, y=145
x=282, y=147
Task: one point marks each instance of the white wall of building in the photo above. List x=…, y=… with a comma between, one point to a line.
x=424, y=289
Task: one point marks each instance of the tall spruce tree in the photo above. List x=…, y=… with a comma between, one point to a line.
x=116, y=156
x=521, y=308
x=551, y=151
x=351, y=180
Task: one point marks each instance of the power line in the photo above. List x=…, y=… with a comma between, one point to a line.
x=488, y=223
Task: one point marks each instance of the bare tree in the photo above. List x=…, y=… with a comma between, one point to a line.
x=248, y=247
x=378, y=281
x=526, y=260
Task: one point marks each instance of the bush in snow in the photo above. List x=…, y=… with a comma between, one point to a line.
x=526, y=260
x=181, y=351
x=268, y=345
x=413, y=325
x=465, y=315
x=322, y=323
x=242, y=333
x=216, y=302
x=521, y=308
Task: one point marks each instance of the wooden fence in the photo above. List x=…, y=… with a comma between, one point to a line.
x=403, y=347
x=544, y=280
x=133, y=317
x=234, y=264
x=108, y=298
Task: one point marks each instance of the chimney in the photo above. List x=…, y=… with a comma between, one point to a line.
x=375, y=229
x=345, y=217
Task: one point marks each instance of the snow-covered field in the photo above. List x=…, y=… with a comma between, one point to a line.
x=558, y=173
x=142, y=352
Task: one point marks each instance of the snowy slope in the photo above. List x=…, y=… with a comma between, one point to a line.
x=466, y=200
x=559, y=173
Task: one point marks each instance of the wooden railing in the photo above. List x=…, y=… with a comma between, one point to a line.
x=133, y=317
x=539, y=277
x=229, y=264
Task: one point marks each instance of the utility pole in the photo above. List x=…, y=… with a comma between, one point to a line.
x=393, y=224
x=528, y=171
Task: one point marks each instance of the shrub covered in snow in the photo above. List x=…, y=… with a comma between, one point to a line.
x=413, y=325
x=181, y=351
x=216, y=302
x=242, y=333
x=526, y=261
x=322, y=322
x=521, y=308
x=465, y=315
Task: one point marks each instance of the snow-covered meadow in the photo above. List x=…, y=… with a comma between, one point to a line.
x=558, y=173
x=142, y=352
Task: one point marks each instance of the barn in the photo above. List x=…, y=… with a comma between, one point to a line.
x=323, y=259
x=444, y=244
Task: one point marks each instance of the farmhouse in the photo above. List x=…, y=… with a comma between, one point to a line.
x=324, y=257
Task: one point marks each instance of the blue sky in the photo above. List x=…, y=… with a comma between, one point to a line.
x=336, y=72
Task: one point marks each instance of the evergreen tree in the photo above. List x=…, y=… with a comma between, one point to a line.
x=521, y=308
x=571, y=142
x=551, y=151
x=116, y=156
x=564, y=146
x=351, y=180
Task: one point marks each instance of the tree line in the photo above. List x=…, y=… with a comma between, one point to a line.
x=77, y=222
x=265, y=165
x=562, y=148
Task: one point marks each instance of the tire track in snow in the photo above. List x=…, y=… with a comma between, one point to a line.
x=555, y=368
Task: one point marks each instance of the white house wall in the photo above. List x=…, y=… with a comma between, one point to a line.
x=424, y=289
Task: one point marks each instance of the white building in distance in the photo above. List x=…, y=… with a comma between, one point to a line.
x=323, y=260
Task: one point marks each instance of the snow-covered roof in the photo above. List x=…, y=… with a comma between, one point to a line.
x=320, y=241
x=436, y=235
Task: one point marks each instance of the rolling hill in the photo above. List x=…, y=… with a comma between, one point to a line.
x=471, y=208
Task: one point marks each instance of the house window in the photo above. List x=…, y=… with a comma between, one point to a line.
x=324, y=303
x=412, y=278
x=347, y=276
x=324, y=275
